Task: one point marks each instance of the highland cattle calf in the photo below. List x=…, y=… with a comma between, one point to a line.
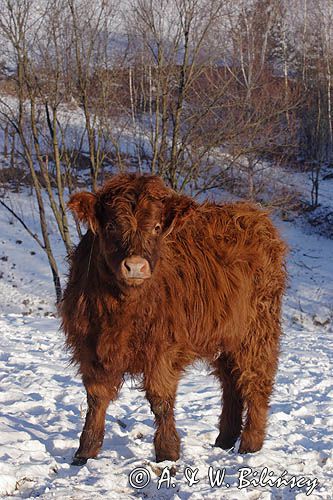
x=159, y=281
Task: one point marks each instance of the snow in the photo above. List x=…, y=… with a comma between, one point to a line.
x=43, y=401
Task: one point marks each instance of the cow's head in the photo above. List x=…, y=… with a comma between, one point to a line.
x=132, y=216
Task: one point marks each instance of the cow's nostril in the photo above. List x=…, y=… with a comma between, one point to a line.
x=135, y=267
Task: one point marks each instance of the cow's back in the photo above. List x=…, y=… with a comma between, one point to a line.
x=217, y=268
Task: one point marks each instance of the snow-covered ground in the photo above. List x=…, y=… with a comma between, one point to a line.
x=43, y=402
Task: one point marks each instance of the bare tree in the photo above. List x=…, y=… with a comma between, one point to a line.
x=19, y=24
x=314, y=66
x=174, y=38
x=90, y=30
x=265, y=102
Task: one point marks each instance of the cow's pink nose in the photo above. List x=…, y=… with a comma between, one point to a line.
x=135, y=267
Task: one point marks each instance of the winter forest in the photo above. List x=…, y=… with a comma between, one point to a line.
x=225, y=100
x=209, y=95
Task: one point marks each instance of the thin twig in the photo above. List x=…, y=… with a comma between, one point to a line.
x=35, y=237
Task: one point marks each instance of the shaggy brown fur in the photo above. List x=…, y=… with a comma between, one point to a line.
x=212, y=291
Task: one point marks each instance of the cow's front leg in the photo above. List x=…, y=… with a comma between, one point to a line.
x=99, y=396
x=162, y=401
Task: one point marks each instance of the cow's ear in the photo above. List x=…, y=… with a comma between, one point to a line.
x=177, y=210
x=83, y=206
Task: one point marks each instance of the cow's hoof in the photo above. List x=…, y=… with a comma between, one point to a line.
x=225, y=443
x=249, y=447
x=158, y=470
x=79, y=461
x=245, y=449
x=173, y=470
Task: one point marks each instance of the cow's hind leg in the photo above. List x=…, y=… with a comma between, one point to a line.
x=162, y=400
x=98, y=398
x=256, y=389
x=230, y=424
x=258, y=360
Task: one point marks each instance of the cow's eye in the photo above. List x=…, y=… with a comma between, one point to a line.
x=157, y=229
x=110, y=226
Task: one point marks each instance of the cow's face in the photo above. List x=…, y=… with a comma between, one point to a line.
x=130, y=231
x=131, y=216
